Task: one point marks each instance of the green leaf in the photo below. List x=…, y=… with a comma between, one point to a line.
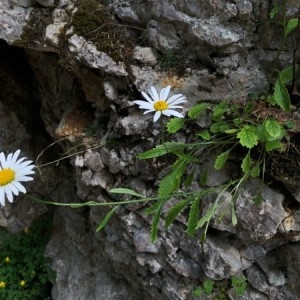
x=258, y=199
x=272, y=145
x=204, y=177
x=273, y=128
x=107, y=218
x=290, y=124
x=281, y=95
x=174, y=211
x=231, y=131
x=290, y=26
x=221, y=160
x=205, y=135
x=246, y=163
x=197, y=110
x=255, y=171
x=193, y=218
x=239, y=284
x=175, y=125
x=275, y=10
x=161, y=150
x=247, y=136
x=125, y=191
x=155, y=223
x=171, y=182
x=287, y=74
x=208, y=286
x=219, y=127
x=189, y=179
x=219, y=111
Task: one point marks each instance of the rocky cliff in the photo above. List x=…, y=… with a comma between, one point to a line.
x=69, y=72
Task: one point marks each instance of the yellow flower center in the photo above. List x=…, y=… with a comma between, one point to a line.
x=2, y=285
x=6, y=176
x=160, y=105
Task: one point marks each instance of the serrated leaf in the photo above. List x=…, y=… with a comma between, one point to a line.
x=174, y=212
x=273, y=128
x=161, y=150
x=125, y=191
x=155, y=223
x=152, y=209
x=255, y=171
x=175, y=125
x=219, y=127
x=246, y=163
x=272, y=145
x=219, y=111
x=197, y=110
x=290, y=26
x=205, y=135
x=171, y=182
x=287, y=74
x=107, y=218
x=247, y=136
x=281, y=95
x=221, y=160
x=193, y=218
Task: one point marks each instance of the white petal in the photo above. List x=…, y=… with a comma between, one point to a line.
x=156, y=116
x=19, y=186
x=15, y=157
x=14, y=190
x=180, y=100
x=24, y=172
x=147, y=97
x=149, y=111
x=20, y=160
x=145, y=105
x=24, y=178
x=8, y=160
x=8, y=193
x=2, y=196
x=164, y=93
x=153, y=93
x=169, y=112
x=23, y=165
x=174, y=97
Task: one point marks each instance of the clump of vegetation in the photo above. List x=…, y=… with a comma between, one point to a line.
x=95, y=23
x=24, y=271
x=219, y=291
x=170, y=60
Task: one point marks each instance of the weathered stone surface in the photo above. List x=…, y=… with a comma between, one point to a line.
x=259, y=222
x=82, y=101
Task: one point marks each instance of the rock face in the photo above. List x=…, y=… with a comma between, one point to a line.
x=69, y=72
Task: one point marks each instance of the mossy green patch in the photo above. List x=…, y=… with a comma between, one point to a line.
x=95, y=23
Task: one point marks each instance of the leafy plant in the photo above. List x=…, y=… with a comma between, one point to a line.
x=24, y=271
x=219, y=291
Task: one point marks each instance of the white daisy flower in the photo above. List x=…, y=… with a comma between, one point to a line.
x=12, y=172
x=159, y=104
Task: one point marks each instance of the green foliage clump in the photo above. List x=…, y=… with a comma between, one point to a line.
x=24, y=271
x=219, y=291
